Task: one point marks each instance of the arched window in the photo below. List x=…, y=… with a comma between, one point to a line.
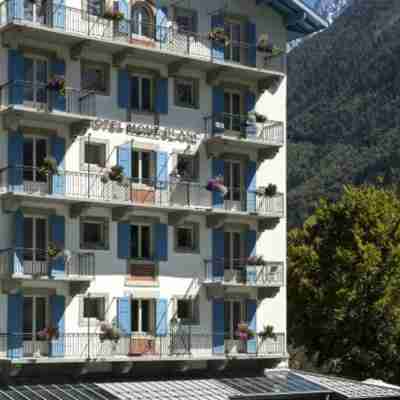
x=142, y=21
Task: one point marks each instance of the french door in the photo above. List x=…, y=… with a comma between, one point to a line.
x=232, y=111
x=37, y=11
x=35, y=78
x=233, y=182
x=232, y=48
x=35, y=245
x=34, y=153
x=232, y=251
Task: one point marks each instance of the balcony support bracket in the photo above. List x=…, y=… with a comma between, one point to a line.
x=177, y=217
x=10, y=204
x=76, y=210
x=121, y=213
x=267, y=153
x=270, y=83
x=78, y=287
x=175, y=67
x=76, y=50
x=120, y=57
x=214, y=148
x=268, y=223
x=12, y=120
x=214, y=76
x=79, y=128
x=215, y=221
x=215, y=291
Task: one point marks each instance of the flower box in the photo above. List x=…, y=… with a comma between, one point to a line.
x=217, y=185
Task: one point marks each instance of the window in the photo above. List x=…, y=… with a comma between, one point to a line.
x=142, y=21
x=232, y=111
x=233, y=181
x=186, y=20
x=35, y=151
x=141, y=246
x=95, y=77
x=186, y=92
x=187, y=167
x=35, y=316
x=94, y=307
x=142, y=93
x=95, y=153
x=94, y=7
x=142, y=166
x=187, y=310
x=232, y=49
x=94, y=234
x=35, y=80
x=142, y=316
x=232, y=250
x=187, y=238
x=234, y=314
x=35, y=239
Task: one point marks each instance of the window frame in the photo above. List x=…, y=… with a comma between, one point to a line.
x=229, y=265
x=140, y=242
x=194, y=310
x=195, y=83
x=229, y=116
x=35, y=329
x=230, y=334
x=137, y=9
x=34, y=249
x=104, y=91
x=35, y=165
x=84, y=167
x=36, y=85
x=83, y=321
x=139, y=179
x=151, y=316
x=141, y=77
x=105, y=233
x=194, y=161
x=195, y=229
x=190, y=13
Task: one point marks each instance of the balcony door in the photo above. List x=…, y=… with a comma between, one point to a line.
x=233, y=264
x=35, y=319
x=35, y=81
x=143, y=326
x=142, y=24
x=35, y=150
x=37, y=11
x=232, y=49
x=233, y=181
x=232, y=111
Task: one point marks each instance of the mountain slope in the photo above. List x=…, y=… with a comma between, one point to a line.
x=343, y=105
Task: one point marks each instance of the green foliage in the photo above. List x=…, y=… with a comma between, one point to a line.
x=343, y=284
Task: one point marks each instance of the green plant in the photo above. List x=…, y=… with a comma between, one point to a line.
x=53, y=250
x=116, y=174
x=48, y=167
x=270, y=190
x=267, y=333
x=219, y=35
x=113, y=15
x=109, y=332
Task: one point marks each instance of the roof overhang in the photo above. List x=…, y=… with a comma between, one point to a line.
x=301, y=20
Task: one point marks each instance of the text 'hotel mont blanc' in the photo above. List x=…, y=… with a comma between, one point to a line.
x=143, y=181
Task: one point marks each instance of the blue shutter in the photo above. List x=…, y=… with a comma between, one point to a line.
x=124, y=88
x=162, y=169
x=58, y=152
x=57, y=310
x=15, y=75
x=161, y=242
x=250, y=102
x=15, y=161
x=124, y=315
x=251, y=306
x=162, y=317
x=218, y=108
x=251, y=271
x=124, y=240
x=161, y=23
x=15, y=10
x=218, y=254
x=57, y=236
x=59, y=14
x=218, y=326
x=14, y=324
x=218, y=50
x=123, y=26
x=124, y=157
x=58, y=101
x=161, y=105
x=252, y=42
x=135, y=92
x=217, y=170
x=251, y=186
x=18, y=266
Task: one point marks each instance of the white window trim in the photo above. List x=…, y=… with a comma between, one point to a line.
x=140, y=316
x=35, y=83
x=140, y=94
x=34, y=237
x=231, y=23
x=140, y=167
x=231, y=93
x=231, y=183
x=34, y=138
x=99, y=221
x=195, y=93
x=194, y=227
x=92, y=321
x=232, y=329
x=140, y=226
x=232, y=245
x=47, y=311
x=84, y=167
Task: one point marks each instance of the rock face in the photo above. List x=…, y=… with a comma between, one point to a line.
x=343, y=105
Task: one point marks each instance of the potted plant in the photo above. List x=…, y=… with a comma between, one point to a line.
x=219, y=36
x=264, y=45
x=244, y=333
x=57, y=85
x=260, y=118
x=49, y=167
x=109, y=332
x=113, y=15
x=116, y=174
x=48, y=333
x=270, y=190
x=267, y=333
x=256, y=260
x=217, y=185
x=53, y=251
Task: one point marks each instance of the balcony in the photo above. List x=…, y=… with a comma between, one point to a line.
x=74, y=27
x=170, y=195
x=21, y=263
x=238, y=272
x=81, y=347
x=36, y=101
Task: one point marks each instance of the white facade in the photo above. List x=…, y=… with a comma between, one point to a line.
x=178, y=81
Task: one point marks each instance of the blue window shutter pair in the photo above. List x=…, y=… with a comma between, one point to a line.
x=124, y=158
x=218, y=254
x=15, y=161
x=18, y=264
x=162, y=317
x=124, y=240
x=15, y=326
x=218, y=167
x=58, y=101
x=124, y=88
x=252, y=44
x=251, y=306
x=250, y=103
x=161, y=241
x=161, y=103
x=218, y=326
x=57, y=236
x=57, y=311
x=218, y=108
x=124, y=315
x=218, y=49
x=250, y=242
x=162, y=169
x=59, y=14
x=58, y=152
x=16, y=75
x=161, y=23
x=251, y=186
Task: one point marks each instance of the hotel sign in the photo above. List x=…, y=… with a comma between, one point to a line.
x=147, y=131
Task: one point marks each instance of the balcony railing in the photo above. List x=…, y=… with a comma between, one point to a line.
x=238, y=127
x=36, y=263
x=150, y=192
x=147, y=35
x=41, y=98
x=239, y=272
x=86, y=346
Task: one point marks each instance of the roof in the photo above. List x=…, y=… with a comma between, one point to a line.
x=378, y=382
x=301, y=20
x=275, y=384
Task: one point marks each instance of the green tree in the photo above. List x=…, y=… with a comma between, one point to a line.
x=344, y=285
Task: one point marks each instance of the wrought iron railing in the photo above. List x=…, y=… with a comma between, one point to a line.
x=148, y=35
x=90, y=346
x=40, y=97
x=240, y=271
x=37, y=263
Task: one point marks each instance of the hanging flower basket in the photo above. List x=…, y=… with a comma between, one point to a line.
x=109, y=332
x=57, y=85
x=270, y=190
x=113, y=15
x=53, y=250
x=219, y=36
x=217, y=185
x=267, y=333
x=49, y=167
x=256, y=260
x=48, y=333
